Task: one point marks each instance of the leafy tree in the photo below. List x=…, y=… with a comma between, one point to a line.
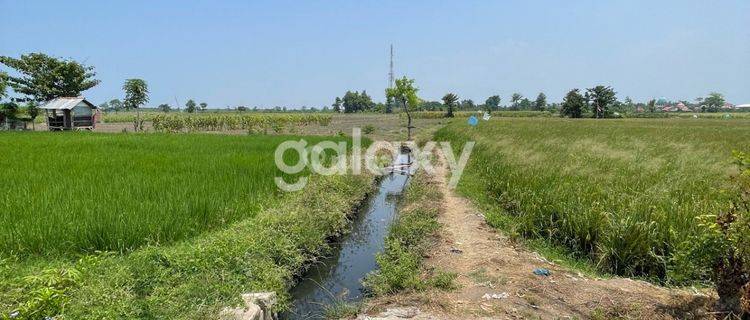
x=44, y=78
x=357, y=102
x=388, y=105
x=8, y=110
x=203, y=106
x=541, y=101
x=165, y=107
x=573, y=104
x=652, y=105
x=514, y=101
x=714, y=102
x=629, y=105
x=136, y=95
x=492, y=103
x=601, y=98
x=116, y=105
x=525, y=104
x=450, y=100
x=190, y=106
x=405, y=94
x=33, y=111
x=337, y=105
x=467, y=104
x=104, y=106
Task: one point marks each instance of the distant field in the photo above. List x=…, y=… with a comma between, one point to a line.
x=622, y=193
x=80, y=192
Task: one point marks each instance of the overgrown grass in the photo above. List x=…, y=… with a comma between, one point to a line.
x=400, y=264
x=190, y=279
x=82, y=192
x=621, y=194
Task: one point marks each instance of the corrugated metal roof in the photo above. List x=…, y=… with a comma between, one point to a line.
x=65, y=103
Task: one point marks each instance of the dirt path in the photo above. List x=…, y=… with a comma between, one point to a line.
x=496, y=280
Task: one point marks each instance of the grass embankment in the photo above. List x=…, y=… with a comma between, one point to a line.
x=623, y=194
x=410, y=236
x=261, y=249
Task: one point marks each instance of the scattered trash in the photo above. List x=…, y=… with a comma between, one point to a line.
x=486, y=116
x=542, y=272
x=14, y=314
x=456, y=250
x=502, y=295
x=473, y=121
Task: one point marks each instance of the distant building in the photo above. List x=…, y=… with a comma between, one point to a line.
x=70, y=113
x=743, y=107
x=682, y=107
x=727, y=106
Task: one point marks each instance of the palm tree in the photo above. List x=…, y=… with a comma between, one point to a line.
x=450, y=100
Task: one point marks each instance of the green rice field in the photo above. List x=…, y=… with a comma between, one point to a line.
x=82, y=192
x=622, y=194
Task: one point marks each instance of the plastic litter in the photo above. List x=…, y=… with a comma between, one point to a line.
x=502, y=295
x=542, y=272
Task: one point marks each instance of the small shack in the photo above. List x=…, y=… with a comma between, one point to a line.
x=70, y=113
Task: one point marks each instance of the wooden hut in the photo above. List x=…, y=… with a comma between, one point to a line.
x=70, y=113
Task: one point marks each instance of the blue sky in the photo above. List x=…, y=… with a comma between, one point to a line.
x=304, y=53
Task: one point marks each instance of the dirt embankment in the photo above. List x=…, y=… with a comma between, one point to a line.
x=496, y=281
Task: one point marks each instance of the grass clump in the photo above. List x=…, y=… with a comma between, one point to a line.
x=621, y=194
x=400, y=264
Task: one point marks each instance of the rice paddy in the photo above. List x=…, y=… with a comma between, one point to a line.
x=84, y=192
x=621, y=193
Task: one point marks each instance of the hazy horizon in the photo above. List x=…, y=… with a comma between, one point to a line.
x=293, y=54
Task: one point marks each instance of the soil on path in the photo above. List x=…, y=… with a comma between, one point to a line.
x=495, y=280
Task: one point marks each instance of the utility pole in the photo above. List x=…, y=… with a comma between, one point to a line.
x=390, y=74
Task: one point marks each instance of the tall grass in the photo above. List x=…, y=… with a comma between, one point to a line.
x=622, y=193
x=81, y=192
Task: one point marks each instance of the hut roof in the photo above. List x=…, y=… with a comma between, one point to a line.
x=65, y=103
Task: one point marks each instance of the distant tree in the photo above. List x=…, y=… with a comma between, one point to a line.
x=337, y=105
x=467, y=104
x=541, y=101
x=136, y=95
x=450, y=100
x=514, y=101
x=492, y=103
x=190, y=106
x=405, y=94
x=33, y=111
x=629, y=105
x=164, y=107
x=8, y=110
x=388, y=105
x=652, y=105
x=525, y=104
x=116, y=105
x=203, y=106
x=573, y=104
x=357, y=102
x=600, y=97
x=43, y=78
x=104, y=106
x=242, y=108
x=714, y=102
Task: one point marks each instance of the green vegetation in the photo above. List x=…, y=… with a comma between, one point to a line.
x=408, y=239
x=41, y=77
x=193, y=278
x=251, y=122
x=83, y=192
x=623, y=194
